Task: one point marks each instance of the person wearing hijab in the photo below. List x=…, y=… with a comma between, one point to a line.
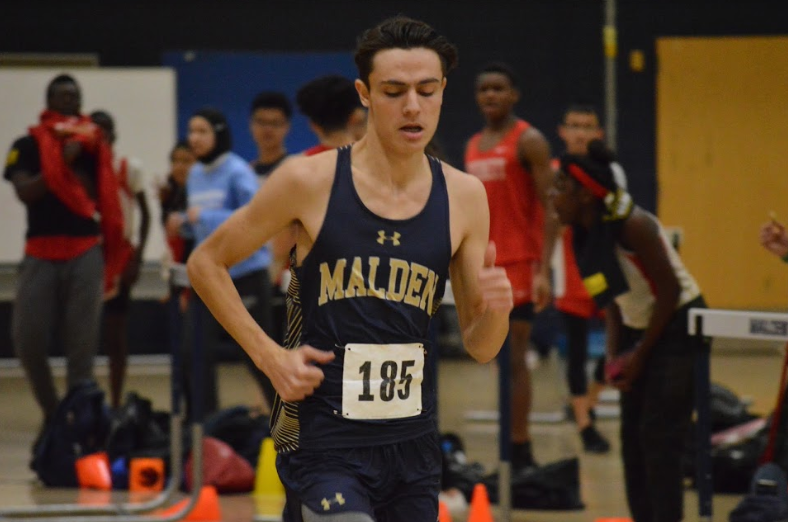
x=219, y=183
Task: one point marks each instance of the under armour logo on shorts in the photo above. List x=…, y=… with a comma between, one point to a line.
x=394, y=238
x=338, y=499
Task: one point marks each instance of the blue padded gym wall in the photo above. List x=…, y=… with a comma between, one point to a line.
x=229, y=81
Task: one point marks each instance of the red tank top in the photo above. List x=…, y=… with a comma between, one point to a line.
x=317, y=149
x=516, y=214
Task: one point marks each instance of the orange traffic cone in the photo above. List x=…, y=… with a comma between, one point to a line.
x=613, y=519
x=443, y=512
x=206, y=510
x=93, y=471
x=480, y=505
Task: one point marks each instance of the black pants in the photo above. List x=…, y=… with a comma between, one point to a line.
x=576, y=330
x=255, y=291
x=655, y=417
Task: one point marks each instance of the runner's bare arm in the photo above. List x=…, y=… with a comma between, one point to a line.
x=482, y=292
x=284, y=199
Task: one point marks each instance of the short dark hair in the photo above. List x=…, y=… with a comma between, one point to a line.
x=582, y=108
x=180, y=144
x=504, y=68
x=101, y=117
x=60, y=79
x=328, y=101
x=401, y=32
x=272, y=100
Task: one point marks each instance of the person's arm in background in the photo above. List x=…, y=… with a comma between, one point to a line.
x=613, y=325
x=774, y=238
x=641, y=235
x=21, y=169
x=132, y=272
x=243, y=186
x=534, y=153
x=142, y=203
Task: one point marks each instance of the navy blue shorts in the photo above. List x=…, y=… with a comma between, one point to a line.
x=391, y=483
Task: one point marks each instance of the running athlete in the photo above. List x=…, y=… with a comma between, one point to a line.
x=512, y=158
x=381, y=226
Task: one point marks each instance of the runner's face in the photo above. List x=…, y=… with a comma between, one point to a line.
x=404, y=97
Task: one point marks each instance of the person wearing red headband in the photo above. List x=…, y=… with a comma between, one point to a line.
x=629, y=267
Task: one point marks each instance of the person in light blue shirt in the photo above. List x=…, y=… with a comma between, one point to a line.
x=219, y=183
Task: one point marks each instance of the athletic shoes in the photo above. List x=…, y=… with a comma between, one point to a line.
x=593, y=441
x=522, y=457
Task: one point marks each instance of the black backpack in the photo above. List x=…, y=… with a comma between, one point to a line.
x=79, y=427
x=767, y=500
x=553, y=486
x=138, y=431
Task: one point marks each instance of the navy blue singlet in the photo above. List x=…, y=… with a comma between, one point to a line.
x=367, y=284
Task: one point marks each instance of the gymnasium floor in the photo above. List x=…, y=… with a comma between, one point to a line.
x=752, y=370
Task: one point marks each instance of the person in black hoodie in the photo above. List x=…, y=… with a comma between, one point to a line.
x=628, y=266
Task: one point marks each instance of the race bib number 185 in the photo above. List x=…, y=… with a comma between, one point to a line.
x=382, y=381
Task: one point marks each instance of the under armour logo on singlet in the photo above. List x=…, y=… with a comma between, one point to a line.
x=338, y=499
x=394, y=238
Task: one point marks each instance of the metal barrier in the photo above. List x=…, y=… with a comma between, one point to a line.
x=731, y=324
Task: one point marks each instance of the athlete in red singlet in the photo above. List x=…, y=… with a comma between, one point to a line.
x=512, y=159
